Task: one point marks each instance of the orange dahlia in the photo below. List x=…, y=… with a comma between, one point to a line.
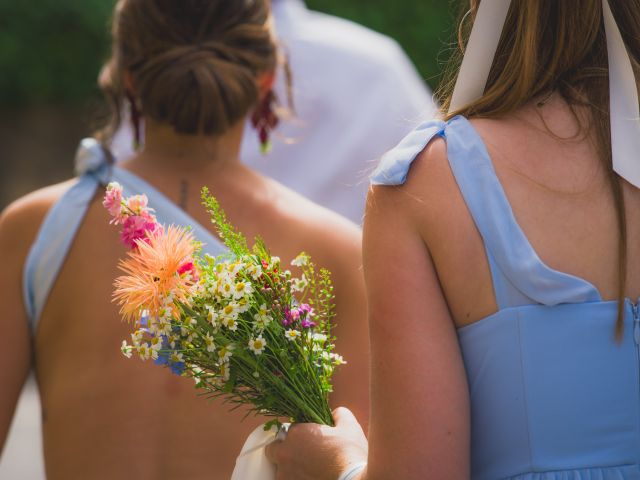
x=160, y=273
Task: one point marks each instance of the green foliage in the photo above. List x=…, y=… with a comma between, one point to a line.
x=234, y=240
x=291, y=378
x=51, y=50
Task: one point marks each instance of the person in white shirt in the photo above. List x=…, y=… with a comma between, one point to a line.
x=356, y=94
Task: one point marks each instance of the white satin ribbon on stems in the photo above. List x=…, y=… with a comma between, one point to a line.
x=252, y=463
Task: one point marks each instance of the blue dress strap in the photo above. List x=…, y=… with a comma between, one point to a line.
x=519, y=275
x=60, y=226
x=394, y=165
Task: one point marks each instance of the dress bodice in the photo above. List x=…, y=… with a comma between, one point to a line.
x=553, y=396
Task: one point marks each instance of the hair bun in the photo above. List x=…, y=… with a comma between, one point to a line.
x=194, y=63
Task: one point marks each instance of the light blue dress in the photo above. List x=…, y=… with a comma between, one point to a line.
x=59, y=228
x=553, y=396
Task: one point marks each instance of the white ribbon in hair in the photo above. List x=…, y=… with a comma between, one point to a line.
x=624, y=108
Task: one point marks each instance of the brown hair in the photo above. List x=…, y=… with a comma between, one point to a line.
x=194, y=64
x=553, y=45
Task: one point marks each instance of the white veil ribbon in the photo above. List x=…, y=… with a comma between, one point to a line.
x=624, y=108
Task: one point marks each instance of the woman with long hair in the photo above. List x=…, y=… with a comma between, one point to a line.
x=195, y=71
x=500, y=248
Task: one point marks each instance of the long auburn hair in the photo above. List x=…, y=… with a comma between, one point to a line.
x=555, y=46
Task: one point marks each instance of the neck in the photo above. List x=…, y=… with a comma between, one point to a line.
x=164, y=148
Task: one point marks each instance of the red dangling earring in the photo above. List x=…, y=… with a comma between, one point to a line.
x=135, y=121
x=264, y=120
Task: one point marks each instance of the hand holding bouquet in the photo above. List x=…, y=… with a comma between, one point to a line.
x=240, y=325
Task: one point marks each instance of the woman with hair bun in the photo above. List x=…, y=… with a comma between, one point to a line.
x=195, y=71
x=501, y=249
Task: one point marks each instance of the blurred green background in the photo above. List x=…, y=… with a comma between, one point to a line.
x=51, y=52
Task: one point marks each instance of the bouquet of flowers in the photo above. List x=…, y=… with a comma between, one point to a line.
x=239, y=324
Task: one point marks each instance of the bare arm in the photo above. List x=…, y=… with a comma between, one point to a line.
x=15, y=337
x=419, y=400
x=419, y=424
x=351, y=381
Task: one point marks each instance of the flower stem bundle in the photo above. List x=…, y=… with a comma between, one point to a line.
x=239, y=324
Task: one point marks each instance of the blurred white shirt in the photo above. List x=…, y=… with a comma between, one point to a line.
x=356, y=95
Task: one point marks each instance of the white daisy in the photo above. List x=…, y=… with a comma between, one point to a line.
x=196, y=373
x=201, y=289
x=262, y=318
x=299, y=284
x=156, y=343
x=126, y=350
x=136, y=338
x=225, y=371
x=242, y=289
x=212, y=316
x=226, y=287
x=292, y=334
x=212, y=287
x=301, y=260
x=176, y=357
x=254, y=271
x=337, y=359
x=257, y=345
x=163, y=327
x=319, y=337
x=230, y=323
x=144, y=351
x=234, y=268
x=243, y=305
x=230, y=311
x=275, y=262
x=208, y=341
x=225, y=353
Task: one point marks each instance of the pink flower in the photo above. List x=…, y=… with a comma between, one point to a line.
x=139, y=227
x=306, y=312
x=306, y=309
x=288, y=317
x=186, y=267
x=113, y=202
x=189, y=268
x=138, y=204
x=303, y=314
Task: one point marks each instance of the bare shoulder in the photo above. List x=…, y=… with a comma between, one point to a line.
x=429, y=192
x=330, y=238
x=21, y=220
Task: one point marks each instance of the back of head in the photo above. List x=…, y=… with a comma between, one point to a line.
x=190, y=64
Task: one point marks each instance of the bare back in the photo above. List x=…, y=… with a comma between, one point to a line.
x=108, y=417
x=561, y=198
